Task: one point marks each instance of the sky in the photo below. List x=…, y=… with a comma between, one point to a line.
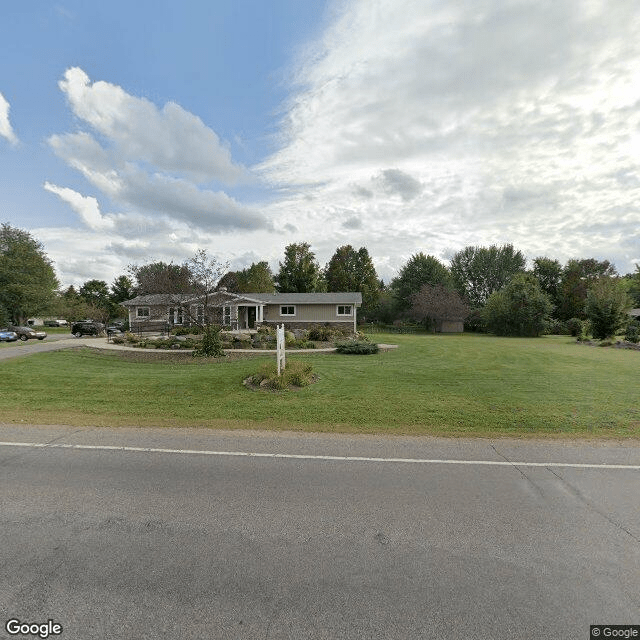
x=132, y=132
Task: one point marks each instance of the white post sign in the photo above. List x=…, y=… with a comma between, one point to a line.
x=280, y=357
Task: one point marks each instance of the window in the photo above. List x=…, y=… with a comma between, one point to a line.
x=226, y=316
x=200, y=314
x=175, y=315
x=345, y=310
x=288, y=310
x=142, y=312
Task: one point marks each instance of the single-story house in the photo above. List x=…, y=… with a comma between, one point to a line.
x=155, y=312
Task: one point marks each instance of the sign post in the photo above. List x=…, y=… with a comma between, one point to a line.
x=280, y=357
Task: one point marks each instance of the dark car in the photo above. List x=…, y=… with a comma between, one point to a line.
x=8, y=336
x=87, y=328
x=27, y=333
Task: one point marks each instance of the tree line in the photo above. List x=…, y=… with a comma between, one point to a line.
x=489, y=288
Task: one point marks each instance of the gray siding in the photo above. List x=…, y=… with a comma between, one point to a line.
x=312, y=313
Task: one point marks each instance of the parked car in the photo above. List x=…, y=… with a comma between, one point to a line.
x=8, y=336
x=27, y=333
x=55, y=323
x=87, y=327
x=114, y=329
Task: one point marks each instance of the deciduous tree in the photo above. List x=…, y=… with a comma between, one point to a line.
x=351, y=270
x=160, y=277
x=27, y=279
x=418, y=270
x=300, y=272
x=479, y=271
x=606, y=307
x=577, y=277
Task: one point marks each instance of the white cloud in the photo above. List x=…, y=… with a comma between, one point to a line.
x=149, y=161
x=85, y=206
x=170, y=139
x=6, y=131
x=501, y=120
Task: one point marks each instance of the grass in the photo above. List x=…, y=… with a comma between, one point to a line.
x=432, y=384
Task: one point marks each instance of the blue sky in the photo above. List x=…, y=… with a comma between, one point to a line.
x=137, y=131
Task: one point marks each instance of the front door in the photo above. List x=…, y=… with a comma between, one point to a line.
x=251, y=317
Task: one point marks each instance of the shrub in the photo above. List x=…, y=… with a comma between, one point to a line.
x=289, y=338
x=475, y=322
x=118, y=340
x=557, y=328
x=131, y=338
x=295, y=373
x=266, y=330
x=575, y=327
x=520, y=308
x=211, y=344
x=323, y=333
x=633, y=332
x=185, y=331
x=607, y=303
x=356, y=347
x=305, y=344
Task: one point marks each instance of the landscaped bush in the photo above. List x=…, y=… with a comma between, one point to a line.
x=211, y=344
x=323, y=333
x=118, y=340
x=131, y=338
x=304, y=344
x=195, y=330
x=289, y=338
x=356, y=347
x=633, y=332
x=296, y=373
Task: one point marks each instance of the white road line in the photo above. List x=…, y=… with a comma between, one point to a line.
x=295, y=456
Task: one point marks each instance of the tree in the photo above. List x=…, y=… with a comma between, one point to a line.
x=351, y=270
x=520, y=308
x=633, y=280
x=300, y=272
x=204, y=274
x=479, y=271
x=418, y=270
x=27, y=279
x=122, y=289
x=437, y=304
x=229, y=281
x=95, y=294
x=160, y=277
x=577, y=277
x=257, y=278
x=606, y=307
x=549, y=274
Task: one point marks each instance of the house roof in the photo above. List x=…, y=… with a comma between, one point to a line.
x=340, y=297
x=225, y=297
x=215, y=298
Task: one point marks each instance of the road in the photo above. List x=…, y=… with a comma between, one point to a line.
x=163, y=533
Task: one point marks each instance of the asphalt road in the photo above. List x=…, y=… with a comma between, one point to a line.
x=184, y=540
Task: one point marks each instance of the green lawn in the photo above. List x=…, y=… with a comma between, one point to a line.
x=432, y=384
